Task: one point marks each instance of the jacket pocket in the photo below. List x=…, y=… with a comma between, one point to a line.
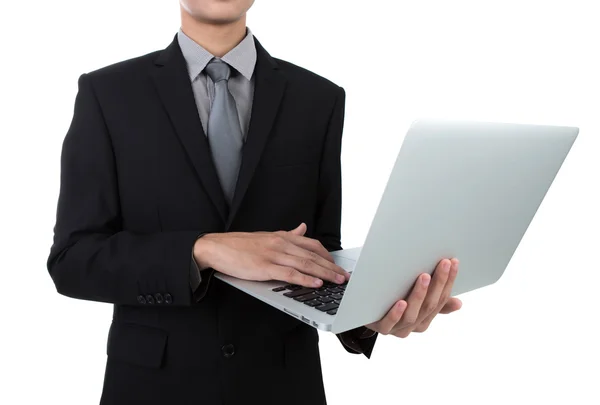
x=136, y=344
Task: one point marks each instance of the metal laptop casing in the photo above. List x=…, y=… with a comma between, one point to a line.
x=457, y=189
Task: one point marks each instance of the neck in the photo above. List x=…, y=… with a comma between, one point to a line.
x=218, y=39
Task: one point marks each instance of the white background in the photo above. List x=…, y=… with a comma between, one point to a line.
x=531, y=338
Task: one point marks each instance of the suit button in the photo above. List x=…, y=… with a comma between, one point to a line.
x=141, y=299
x=168, y=298
x=158, y=298
x=149, y=299
x=228, y=351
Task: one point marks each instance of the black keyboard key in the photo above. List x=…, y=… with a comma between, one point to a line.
x=306, y=297
x=277, y=289
x=332, y=312
x=323, y=293
x=297, y=293
x=327, y=307
x=342, y=287
x=337, y=296
x=293, y=287
x=335, y=290
x=325, y=299
x=338, y=302
x=313, y=303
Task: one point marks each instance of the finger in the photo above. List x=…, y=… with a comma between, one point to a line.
x=403, y=332
x=293, y=276
x=281, y=242
x=435, y=290
x=450, y=283
x=305, y=264
x=387, y=323
x=300, y=230
x=415, y=300
x=423, y=326
x=453, y=304
x=296, y=250
x=309, y=244
x=424, y=323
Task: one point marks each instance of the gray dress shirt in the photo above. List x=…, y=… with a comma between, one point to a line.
x=242, y=60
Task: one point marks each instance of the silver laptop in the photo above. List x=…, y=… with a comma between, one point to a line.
x=458, y=189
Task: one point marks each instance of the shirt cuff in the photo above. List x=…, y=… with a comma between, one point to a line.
x=359, y=341
x=196, y=279
x=195, y=275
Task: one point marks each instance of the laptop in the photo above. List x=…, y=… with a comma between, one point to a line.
x=457, y=189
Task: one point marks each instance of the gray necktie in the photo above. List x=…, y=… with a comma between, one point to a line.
x=224, y=131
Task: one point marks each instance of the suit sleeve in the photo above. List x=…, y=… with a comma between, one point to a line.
x=93, y=257
x=329, y=211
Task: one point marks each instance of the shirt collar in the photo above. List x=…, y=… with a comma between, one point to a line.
x=242, y=58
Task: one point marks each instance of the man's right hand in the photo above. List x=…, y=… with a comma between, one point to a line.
x=284, y=255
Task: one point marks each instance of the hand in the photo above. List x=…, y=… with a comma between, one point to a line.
x=427, y=298
x=284, y=255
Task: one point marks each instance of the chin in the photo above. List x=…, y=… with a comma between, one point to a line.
x=216, y=11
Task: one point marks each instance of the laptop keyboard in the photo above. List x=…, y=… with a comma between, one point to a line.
x=326, y=299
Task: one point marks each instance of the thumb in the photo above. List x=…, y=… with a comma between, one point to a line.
x=300, y=230
x=453, y=304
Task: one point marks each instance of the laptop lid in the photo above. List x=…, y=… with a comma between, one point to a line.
x=458, y=189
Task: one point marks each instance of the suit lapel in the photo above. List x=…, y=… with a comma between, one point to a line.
x=269, y=87
x=174, y=88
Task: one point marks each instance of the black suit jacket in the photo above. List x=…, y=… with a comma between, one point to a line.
x=138, y=187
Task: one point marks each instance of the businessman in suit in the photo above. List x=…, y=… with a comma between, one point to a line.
x=210, y=155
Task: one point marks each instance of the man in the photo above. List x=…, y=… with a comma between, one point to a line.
x=207, y=156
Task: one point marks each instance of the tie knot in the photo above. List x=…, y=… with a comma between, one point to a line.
x=218, y=70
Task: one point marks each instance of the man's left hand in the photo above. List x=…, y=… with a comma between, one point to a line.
x=430, y=296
